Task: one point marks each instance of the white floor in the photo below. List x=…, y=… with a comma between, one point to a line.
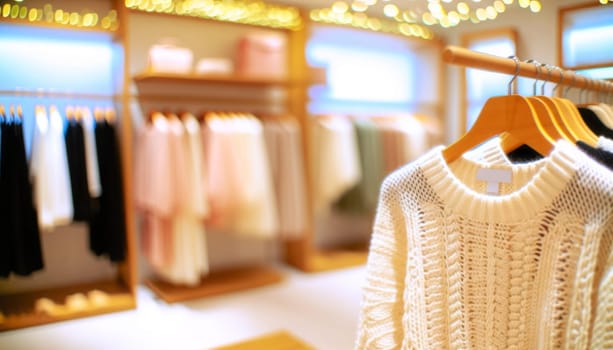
x=321, y=309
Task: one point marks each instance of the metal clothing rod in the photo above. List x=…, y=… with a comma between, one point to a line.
x=57, y=94
x=465, y=57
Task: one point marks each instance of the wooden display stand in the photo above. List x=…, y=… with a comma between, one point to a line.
x=217, y=283
x=275, y=341
x=20, y=311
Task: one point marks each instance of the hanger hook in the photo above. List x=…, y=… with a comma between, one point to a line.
x=572, y=84
x=585, y=91
x=509, y=86
x=537, y=67
x=561, y=80
x=549, y=69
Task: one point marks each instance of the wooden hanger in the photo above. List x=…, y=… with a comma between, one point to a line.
x=19, y=112
x=573, y=120
x=99, y=114
x=511, y=114
x=70, y=113
x=110, y=115
x=2, y=112
x=543, y=113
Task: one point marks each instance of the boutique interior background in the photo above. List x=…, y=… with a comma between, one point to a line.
x=319, y=308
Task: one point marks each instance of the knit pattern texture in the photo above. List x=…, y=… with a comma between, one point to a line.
x=530, y=268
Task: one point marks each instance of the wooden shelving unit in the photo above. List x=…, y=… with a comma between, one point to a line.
x=192, y=78
x=19, y=309
x=251, y=93
x=217, y=283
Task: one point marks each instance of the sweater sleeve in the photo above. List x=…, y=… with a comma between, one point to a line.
x=382, y=308
x=602, y=333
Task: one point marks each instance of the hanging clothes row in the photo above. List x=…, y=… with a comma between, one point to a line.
x=73, y=174
x=352, y=155
x=482, y=254
x=74, y=170
x=20, y=246
x=233, y=173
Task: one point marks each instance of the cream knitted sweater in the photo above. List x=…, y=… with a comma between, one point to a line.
x=530, y=268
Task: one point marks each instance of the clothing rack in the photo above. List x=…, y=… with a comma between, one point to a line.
x=472, y=59
x=57, y=94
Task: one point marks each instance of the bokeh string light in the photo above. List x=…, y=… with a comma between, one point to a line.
x=253, y=12
x=446, y=13
x=47, y=14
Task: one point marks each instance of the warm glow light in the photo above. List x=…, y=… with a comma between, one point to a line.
x=238, y=11
x=508, y=2
x=374, y=24
x=6, y=10
x=454, y=18
x=481, y=14
x=436, y=9
x=409, y=16
x=491, y=12
x=74, y=19
x=524, y=3
x=428, y=19
x=359, y=6
x=58, y=15
x=391, y=10
x=535, y=6
x=604, y=2
x=444, y=21
x=32, y=15
x=340, y=7
x=463, y=8
x=499, y=6
x=15, y=11
x=23, y=12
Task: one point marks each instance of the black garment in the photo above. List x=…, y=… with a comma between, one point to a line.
x=20, y=249
x=601, y=156
x=524, y=154
x=108, y=224
x=75, y=153
x=594, y=123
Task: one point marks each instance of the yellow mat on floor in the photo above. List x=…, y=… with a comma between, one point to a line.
x=275, y=341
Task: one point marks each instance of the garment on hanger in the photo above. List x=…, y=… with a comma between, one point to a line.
x=108, y=224
x=49, y=170
x=241, y=192
x=91, y=156
x=453, y=267
x=595, y=123
x=284, y=149
x=362, y=198
x=154, y=196
x=605, y=144
x=601, y=156
x=77, y=166
x=189, y=254
x=604, y=113
x=20, y=246
x=334, y=159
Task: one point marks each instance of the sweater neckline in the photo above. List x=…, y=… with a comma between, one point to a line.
x=553, y=175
